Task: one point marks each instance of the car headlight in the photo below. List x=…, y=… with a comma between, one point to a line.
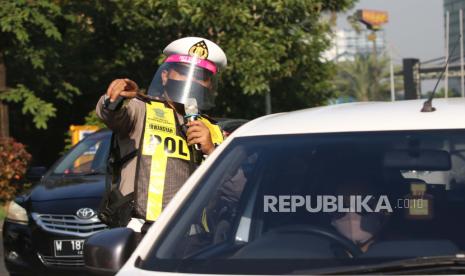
x=17, y=213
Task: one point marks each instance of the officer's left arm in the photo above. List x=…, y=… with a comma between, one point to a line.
x=198, y=133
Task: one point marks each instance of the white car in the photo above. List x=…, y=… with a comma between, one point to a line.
x=355, y=188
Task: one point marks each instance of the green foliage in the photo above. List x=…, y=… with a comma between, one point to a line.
x=14, y=160
x=272, y=46
x=33, y=105
x=30, y=41
x=57, y=50
x=61, y=55
x=2, y=213
x=441, y=93
x=92, y=120
x=354, y=23
x=365, y=78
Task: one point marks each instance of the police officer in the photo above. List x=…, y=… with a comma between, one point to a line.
x=156, y=146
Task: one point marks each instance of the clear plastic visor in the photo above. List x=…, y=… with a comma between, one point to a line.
x=185, y=79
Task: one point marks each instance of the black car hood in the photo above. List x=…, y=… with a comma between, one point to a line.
x=69, y=187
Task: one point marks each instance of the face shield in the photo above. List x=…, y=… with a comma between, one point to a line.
x=182, y=77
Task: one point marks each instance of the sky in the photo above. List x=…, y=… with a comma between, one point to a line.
x=415, y=28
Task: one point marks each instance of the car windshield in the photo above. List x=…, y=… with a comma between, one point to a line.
x=88, y=157
x=290, y=203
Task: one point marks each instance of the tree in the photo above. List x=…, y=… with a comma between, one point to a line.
x=30, y=38
x=62, y=54
x=272, y=46
x=365, y=78
x=57, y=50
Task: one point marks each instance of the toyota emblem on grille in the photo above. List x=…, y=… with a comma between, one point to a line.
x=85, y=213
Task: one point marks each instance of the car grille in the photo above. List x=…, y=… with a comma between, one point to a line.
x=69, y=224
x=63, y=262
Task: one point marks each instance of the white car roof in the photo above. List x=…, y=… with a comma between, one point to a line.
x=361, y=116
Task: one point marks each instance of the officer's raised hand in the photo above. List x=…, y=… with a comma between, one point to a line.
x=198, y=133
x=125, y=88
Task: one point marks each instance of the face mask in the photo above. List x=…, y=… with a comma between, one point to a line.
x=175, y=90
x=358, y=228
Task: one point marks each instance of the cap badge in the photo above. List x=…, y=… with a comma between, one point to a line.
x=199, y=50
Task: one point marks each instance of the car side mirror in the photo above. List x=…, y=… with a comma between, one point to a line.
x=107, y=251
x=35, y=174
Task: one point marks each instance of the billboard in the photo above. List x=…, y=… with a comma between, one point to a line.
x=373, y=19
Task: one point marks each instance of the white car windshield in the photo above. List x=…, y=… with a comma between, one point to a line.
x=290, y=203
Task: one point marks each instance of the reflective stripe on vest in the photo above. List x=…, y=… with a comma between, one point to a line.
x=161, y=142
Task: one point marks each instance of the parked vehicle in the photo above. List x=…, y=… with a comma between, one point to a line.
x=45, y=229
x=252, y=207
x=228, y=126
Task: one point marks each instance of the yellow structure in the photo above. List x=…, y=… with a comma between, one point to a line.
x=77, y=134
x=80, y=132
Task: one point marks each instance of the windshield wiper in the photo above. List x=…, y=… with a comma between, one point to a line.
x=92, y=172
x=415, y=265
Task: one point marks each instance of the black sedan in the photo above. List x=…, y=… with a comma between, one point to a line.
x=45, y=229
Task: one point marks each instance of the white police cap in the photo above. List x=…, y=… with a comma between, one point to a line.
x=200, y=47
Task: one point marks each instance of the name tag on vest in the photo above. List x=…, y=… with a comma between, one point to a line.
x=160, y=133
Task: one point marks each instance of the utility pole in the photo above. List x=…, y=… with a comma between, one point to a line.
x=391, y=71
x=373, y=20
x=268, y=103
x=446, y=57
x=462, y=84
x=411, y=84
x=4, y=119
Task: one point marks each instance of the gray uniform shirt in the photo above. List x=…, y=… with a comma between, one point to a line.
x=128, y=123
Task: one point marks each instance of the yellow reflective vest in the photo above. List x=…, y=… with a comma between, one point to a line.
x=164, y=161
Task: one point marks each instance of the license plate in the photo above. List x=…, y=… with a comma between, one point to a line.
x=68, y=248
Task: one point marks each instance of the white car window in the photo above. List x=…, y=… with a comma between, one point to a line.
x=266, y=205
